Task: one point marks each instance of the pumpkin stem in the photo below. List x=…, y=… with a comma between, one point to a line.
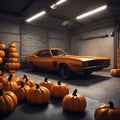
x=74, y=92
x=22, y=84
x=10, y=77
x=25, y=76
x=59, y=82
x=111, y=105
x=46, y=80
x=1, y=92
x=37, y=86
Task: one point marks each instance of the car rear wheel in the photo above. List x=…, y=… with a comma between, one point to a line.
x=65, y=71
x=32, y=67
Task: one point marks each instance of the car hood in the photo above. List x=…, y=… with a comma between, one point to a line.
x=85, y=58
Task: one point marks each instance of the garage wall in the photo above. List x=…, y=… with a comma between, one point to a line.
x=59, y=39
x=93, y=43
x=10, y=33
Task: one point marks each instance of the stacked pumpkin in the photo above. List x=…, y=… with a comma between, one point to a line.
x=2, y=52
x=13, y=62
x=116, y=71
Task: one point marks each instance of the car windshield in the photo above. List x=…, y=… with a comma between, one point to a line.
x=59, y=52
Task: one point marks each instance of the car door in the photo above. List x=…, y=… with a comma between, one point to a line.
x=44, y=60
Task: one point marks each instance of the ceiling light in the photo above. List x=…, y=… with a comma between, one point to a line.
x=92, y=12
x=54, y=6
x=36, y=16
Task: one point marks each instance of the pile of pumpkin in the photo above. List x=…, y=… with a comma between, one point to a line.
x=12, y=56
x=14, y=89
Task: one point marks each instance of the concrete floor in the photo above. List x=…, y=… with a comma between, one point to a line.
x=98, y=88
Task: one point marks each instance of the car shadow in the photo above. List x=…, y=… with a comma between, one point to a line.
x=78, y=80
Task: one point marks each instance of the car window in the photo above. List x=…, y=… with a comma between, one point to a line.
x=58, y=52
x=45, y=53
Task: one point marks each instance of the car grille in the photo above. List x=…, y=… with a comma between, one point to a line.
x=96, y=63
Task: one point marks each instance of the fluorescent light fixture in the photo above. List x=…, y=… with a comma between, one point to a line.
x=54, y=6
x=36, y=16
x=91, y=12
x=60, y=2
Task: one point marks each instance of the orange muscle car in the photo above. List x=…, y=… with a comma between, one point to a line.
x=55, y=59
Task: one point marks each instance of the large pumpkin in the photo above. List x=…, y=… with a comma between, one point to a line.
x=107, y=112
x=38, y=95
x=115, y=72
x=59, y=90
x=74, y=102
x=10, y=84
x=8, y=101
x=21, y=92
x=46, y=83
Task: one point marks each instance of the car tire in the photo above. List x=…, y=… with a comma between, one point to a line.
x=65, y=72
x=32, y=67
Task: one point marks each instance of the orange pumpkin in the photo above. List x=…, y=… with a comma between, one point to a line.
x=3, y=77
x=12, y=49
x=46, y=83
x=2, y=53
x=2, y=46
x=1, y=85
x=10, y=84
x=13, y=54
x=59, y=90
x=12, y=44
x=107, y=112
x=12, y=60
x=115, y=72
x=28, y=81
x=21, y=92
x=74, y=102
x=38, y=95
x=8, y=101
x=11, y=66
x=1, y=60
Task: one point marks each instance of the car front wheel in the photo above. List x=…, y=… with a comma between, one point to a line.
x=65, y=71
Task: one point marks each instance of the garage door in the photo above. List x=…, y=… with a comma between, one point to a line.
x=32, y=39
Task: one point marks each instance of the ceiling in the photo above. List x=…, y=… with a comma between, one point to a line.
x=22, y=9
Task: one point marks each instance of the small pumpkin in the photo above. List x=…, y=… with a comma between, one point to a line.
x=28, y=81
x=3, y=77
x=38, y=95
x=10, y=84
x=8, y=101
x=46, y=83
x=2, y=53
x=1, y=85
x=59, y=90
x=13, y=54
x=115, y=72
x=12, y=49
x=1, y=60
x=12, y=44
x=21, y=92
x=11, y=66
x=74, y=102
x=2, y=46
x=12, y=60
x=107, y=112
